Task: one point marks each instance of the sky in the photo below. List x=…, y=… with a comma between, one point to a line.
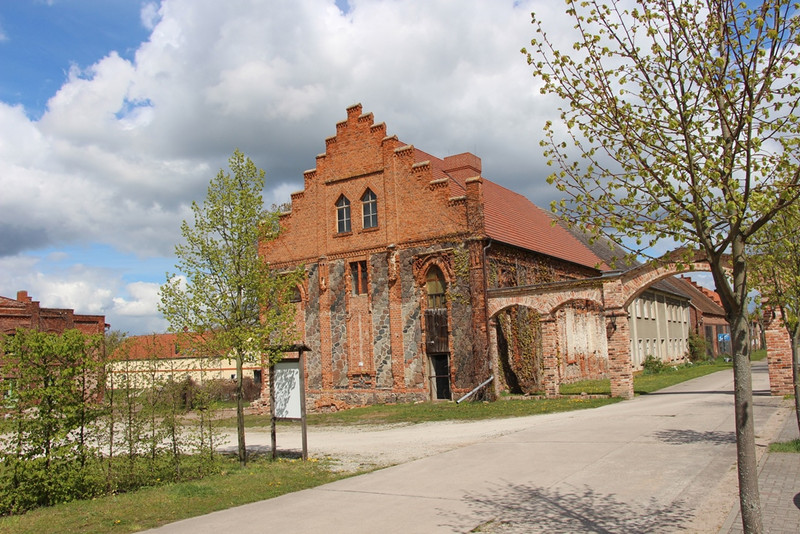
x=115, y=114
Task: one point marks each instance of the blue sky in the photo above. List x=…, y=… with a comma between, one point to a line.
x=43, y=39
x=115, y=114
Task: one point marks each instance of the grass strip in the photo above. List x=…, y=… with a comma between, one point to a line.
x=785, y=446
x=648, y=383
x=423, y=412
x=151, y=507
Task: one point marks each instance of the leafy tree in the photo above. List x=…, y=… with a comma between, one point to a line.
x=52, y=402
x=777, y=267
x=230, y=300
x=680, y=124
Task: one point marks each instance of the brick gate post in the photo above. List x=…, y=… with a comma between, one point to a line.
x=779, y=353
x=552, y=359
x=494, y=359
x=619, y=354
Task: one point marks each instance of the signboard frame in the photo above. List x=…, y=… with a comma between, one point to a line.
x=287, y=395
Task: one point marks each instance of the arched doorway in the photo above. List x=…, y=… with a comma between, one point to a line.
x=437, y=345
x=519, y=350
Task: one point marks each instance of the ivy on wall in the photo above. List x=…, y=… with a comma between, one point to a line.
x=520, y=349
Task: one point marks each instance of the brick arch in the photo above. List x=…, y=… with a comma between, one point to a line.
x=638, y=279
x=546, y=302
x=442, y=261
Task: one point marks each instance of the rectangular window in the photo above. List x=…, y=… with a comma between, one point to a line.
x=358, y=272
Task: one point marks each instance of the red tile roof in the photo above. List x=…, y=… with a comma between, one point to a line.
x=702, y=298
x=153, y=346
x=513, y=219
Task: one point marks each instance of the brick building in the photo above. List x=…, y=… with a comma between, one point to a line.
x=142, y=361
x=399, y=248
x=707, y=317
x=24, y=312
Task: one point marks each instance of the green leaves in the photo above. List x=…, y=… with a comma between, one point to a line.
x=227, y=298
x=225, y=287
x=684, y=110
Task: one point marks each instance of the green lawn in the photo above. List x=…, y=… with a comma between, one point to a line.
x=643, y=383
x=151, y=507
x=785, y=446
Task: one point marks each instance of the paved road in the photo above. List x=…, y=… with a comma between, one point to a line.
x=659, y=463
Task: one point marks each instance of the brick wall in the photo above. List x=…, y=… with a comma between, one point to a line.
x=24, y=312
x=779, y=353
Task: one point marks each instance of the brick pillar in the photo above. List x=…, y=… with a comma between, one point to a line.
x=779, y=353
x=494, y=359
x=552, y=359
x=619, y=354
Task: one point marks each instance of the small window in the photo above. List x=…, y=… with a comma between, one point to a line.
x=343, y=215
x=295, y=295
x=369, y=205
x=358, y=271
x=434, y=285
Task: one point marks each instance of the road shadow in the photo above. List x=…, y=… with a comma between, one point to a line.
x=684, y=437
x=521, y=508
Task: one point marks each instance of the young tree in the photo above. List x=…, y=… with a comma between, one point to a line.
x=53, y=402
x=230, y=301
x=680, y=124
x=777, y=271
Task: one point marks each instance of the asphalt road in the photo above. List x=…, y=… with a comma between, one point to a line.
x=663, y=462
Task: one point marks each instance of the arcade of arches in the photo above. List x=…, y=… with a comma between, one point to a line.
x=601, y=305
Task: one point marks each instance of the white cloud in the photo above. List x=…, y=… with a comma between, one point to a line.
x=144, y=299
x=150, y=15
x=124, y=146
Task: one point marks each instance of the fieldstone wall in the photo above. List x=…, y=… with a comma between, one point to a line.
x=313, y=330
x=337, y=287
x=381, y=320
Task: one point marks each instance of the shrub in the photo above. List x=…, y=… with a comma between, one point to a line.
x=653, y=365
x=698, y=349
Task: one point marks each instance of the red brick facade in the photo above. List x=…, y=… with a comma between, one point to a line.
x=24, y=312
x=423, y=278
x=386, y=337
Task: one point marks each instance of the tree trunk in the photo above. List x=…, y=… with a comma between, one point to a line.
x=736, y=308
x=749, y=498
x=732, y=287
x=795, y=337
x=240, y=409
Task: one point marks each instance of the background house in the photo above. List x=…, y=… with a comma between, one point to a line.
x=707, y=317
x=142, y=361
x=24, y=312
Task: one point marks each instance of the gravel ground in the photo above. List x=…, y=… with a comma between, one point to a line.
x=354, y=448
